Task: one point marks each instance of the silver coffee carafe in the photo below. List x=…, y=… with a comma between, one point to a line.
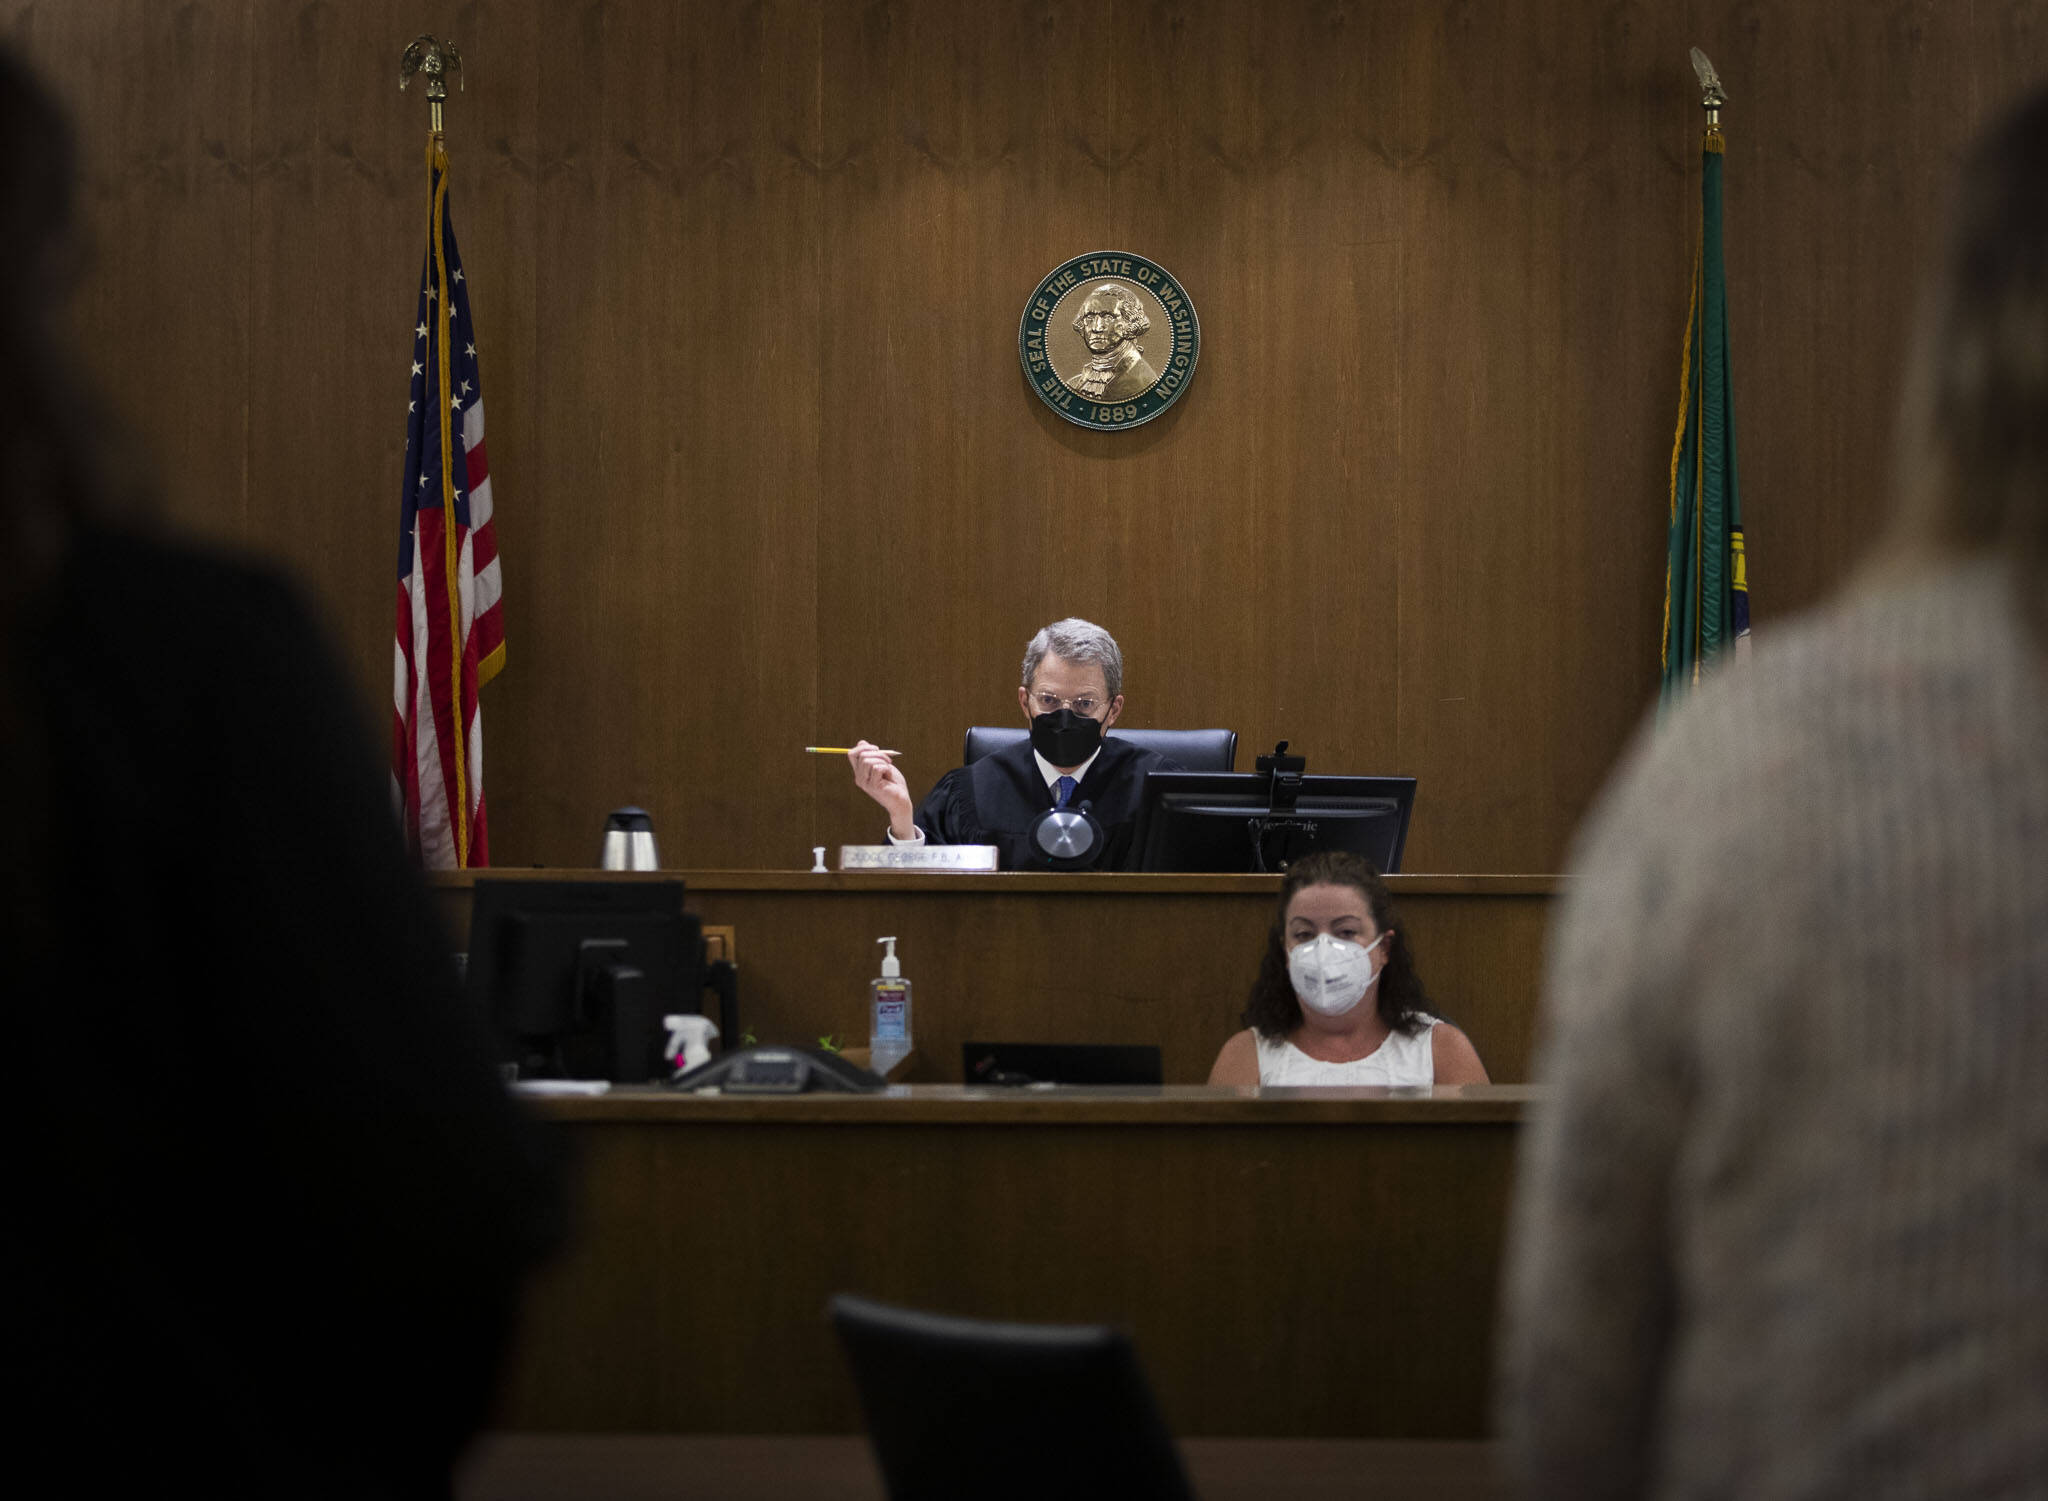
x=629, y=841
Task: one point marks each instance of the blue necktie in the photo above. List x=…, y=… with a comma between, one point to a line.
x=1064, y=787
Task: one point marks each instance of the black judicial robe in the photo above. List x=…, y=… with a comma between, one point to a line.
x=997, y=799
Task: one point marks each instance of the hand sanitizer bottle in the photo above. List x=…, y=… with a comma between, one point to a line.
x=888, y=1014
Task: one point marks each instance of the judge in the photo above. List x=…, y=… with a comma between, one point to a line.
x=1071, y=693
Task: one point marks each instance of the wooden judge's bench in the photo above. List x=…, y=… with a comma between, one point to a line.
x=1291, y=1264
x=1026, y=957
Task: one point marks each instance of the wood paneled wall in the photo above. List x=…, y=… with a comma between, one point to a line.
x=747, y=279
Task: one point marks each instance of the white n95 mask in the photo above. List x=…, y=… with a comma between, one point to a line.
x=1331, y=975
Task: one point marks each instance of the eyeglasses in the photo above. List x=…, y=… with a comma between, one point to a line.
x=1052, y=703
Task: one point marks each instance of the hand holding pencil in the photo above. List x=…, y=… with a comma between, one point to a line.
x=875, y=773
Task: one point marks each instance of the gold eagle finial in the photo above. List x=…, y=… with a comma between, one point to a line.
x=437, y=59
x=1712, y=95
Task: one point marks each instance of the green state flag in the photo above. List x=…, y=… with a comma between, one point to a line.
x=1706, y=587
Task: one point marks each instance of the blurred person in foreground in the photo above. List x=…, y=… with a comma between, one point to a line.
x=270, y=1209
x=1782, y=1226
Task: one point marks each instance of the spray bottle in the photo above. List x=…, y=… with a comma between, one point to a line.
x=689, y=1041
x=888, y=1013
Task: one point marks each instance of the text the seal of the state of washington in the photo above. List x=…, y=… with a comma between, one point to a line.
x=1109, y=340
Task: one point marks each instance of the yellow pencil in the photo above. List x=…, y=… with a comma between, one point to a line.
x=838, y=750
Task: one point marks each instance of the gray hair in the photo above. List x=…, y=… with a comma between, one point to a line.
x=1077, y=640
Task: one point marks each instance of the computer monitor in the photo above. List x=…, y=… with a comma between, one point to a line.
x=1225, y=821
x=575, y=976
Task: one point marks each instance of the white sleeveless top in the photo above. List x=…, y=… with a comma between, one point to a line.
x=1401, y=1059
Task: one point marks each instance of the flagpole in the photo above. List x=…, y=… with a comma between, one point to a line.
x=1712, y=98
x=1703, y=480
x=436, y=59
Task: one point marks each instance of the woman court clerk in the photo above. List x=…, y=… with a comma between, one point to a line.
x=1337, y=1000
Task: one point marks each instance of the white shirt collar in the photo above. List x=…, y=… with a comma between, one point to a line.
x=1052, y=773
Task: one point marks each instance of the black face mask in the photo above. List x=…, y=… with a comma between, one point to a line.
x=1064, y=737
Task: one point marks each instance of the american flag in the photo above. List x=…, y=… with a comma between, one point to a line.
x=451, y=630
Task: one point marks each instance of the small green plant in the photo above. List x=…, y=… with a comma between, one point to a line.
x=827, y=1044
x=748, y=1040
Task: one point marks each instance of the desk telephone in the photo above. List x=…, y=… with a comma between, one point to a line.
x=771, y=1070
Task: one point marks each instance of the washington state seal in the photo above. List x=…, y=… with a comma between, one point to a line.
x=1109, y=340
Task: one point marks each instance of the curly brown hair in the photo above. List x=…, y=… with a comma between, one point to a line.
x=1273, y=1010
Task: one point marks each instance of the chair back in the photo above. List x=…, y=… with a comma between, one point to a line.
x=964, y=1407
x=1191, y=750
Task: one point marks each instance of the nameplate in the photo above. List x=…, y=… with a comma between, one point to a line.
x=937, y=857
